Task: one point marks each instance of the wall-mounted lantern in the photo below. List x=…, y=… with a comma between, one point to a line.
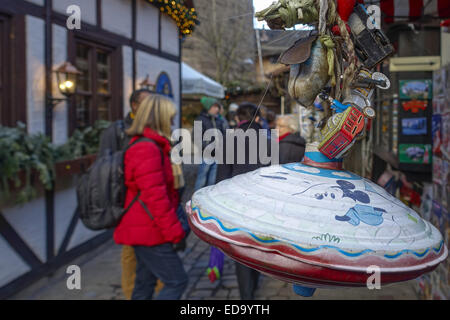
x=67, y=76
x=67, y=79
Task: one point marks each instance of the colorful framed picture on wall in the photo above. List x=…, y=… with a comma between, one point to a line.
x=414, y=106
x=416, y=89
x=415, y=153
x=414, y=126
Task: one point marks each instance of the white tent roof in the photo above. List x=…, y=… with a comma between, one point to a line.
x=196, y=83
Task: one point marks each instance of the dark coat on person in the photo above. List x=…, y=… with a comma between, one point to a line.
x=292, y=148
x=114, y=137
x=153, y=219
x=226, y=171
x=210, y=122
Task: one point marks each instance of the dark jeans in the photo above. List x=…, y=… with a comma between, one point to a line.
x=247, y=280
x=159, y=262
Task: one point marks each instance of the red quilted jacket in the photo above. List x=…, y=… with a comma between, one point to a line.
x=145, y=172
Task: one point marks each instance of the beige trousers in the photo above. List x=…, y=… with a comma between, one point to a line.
x=129, y=272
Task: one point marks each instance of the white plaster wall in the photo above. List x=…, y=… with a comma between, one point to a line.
x=65, y=205
x=117, y=17
x=81, y=235
x=38, y=2
x=153, y=66
x=170, y=40
x=88, y=9
x=127, y=54
x=60, y=112
x=11, y=265
x=30, y=223
x=147, y=24
x=35, y=39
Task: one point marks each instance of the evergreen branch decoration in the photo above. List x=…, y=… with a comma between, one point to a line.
x=22, y=152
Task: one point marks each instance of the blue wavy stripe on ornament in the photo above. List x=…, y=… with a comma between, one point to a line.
x=309, y=250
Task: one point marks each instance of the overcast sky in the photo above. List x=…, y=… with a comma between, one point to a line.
x=260, y=5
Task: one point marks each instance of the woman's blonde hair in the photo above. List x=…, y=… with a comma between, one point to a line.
x=155, y=112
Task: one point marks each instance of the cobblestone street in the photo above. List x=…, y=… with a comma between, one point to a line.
x=100, y=274
x=101, y=277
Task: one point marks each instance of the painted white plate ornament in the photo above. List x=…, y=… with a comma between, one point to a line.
x=315, y=227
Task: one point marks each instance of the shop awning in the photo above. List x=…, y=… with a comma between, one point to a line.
x=411, y=10
x=193, y=82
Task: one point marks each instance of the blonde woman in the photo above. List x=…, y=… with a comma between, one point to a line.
x=151, y=225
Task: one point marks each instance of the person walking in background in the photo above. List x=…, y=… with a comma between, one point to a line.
x=292, y=145
x=112, y=140
x=114, y=137
x=271, y=119
x=248, y=118
x=231, y=115
x=151, y=225
x=209, y=119
x=223, y=118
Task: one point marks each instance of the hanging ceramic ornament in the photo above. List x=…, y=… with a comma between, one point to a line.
x=315, y=227
x=313, y=224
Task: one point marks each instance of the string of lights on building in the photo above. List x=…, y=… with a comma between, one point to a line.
x=184, y=16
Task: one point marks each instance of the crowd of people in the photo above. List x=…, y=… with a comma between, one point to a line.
x=155, y=226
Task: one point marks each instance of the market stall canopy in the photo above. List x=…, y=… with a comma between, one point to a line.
x=407, y=10
x=196, y=83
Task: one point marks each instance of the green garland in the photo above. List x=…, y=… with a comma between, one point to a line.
x=82, y=142
x=22, y=152
x=185, y=17
x=19, y=151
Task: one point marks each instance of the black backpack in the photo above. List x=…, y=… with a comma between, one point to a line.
x=101, y=191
